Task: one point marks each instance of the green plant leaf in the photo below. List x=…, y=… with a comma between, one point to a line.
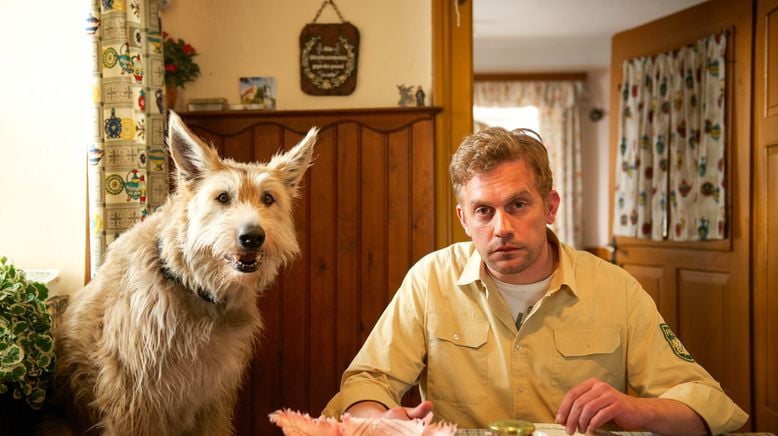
x=11, y=355
x=17, y=373
x=26, y=346
x=43, y=291
x=44, y=343
x=44, y=361
x=37, y=396
x=20, y=327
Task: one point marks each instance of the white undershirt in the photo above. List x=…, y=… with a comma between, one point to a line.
x=521, y=298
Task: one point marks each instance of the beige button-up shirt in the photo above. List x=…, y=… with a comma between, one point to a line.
x=449, y=330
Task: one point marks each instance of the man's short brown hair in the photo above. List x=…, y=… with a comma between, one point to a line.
x=484, y=150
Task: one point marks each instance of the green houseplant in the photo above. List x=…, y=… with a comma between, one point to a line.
x=26, y=344
x=180, y=66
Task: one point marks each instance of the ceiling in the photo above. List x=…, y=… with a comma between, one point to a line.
x=556, y=35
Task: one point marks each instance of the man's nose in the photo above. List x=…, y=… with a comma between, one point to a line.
x=503, y=227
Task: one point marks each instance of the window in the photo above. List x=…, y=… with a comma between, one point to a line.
x=512, y=117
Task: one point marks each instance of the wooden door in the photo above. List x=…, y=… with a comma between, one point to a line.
x=766, y=216
x=366, y=215
x=702, y=289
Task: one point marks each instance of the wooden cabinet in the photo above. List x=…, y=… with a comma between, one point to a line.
x=367, y=213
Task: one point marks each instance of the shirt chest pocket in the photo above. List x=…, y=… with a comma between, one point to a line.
x=457, y=360
x=585, y=353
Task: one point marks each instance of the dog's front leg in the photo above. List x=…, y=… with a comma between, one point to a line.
x=215, y=420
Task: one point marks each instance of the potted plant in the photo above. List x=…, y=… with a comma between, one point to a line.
x=26, y=345
x=180, y=66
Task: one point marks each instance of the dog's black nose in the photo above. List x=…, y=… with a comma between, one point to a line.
x=251, y=237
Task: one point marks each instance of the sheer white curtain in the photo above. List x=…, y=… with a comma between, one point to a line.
x=670, y=166
x=560, y=128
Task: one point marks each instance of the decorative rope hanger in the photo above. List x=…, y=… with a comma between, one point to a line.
x=334, y=6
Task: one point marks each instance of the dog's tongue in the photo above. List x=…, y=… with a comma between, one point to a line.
x=247, y=257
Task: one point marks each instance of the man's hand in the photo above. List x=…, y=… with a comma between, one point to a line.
x=372, y=409
x=593, y=403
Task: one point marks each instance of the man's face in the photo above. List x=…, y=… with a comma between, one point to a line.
x=505, y=216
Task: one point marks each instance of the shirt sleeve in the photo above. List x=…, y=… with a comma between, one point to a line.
x=660, y=366
x=394, y=354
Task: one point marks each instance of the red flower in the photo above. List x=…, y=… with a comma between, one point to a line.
x=180, y=66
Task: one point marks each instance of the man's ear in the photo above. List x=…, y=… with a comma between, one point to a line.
x=462, y=219
x=291, y=166
x=192, y=156
x=553, y=206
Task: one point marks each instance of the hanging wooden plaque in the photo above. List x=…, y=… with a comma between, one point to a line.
x=329, y=55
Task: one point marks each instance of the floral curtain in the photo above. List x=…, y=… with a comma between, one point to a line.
x=127, y=172
x=560, y=128
x=671, y=157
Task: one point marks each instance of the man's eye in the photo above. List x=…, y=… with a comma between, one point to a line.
x=268, y=199
x=482, y=211
x=223, y=198
x=519, y=204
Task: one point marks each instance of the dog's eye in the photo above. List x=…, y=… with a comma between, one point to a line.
x=268, y=199
x=223, y=198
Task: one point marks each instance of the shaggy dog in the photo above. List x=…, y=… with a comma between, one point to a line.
x=157, y=343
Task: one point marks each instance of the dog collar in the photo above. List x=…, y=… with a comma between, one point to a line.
x=170, y=275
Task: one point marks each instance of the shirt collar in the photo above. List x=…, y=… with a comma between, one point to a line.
x=472, y=270
x=562, y=277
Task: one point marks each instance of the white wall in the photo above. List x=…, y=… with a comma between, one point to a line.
x=238, y=38
x=596, y=159
x=541, y=54
x=44, y=129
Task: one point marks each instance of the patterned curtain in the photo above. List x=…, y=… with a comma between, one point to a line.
x=560, y=128
x=670, y=166
x=127, y=163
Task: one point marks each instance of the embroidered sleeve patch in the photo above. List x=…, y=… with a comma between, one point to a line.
x=675, y=343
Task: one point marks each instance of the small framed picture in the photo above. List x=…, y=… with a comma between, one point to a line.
x=258, y=92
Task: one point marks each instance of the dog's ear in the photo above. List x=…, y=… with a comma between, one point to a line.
x=192, y=156
x=291, y=165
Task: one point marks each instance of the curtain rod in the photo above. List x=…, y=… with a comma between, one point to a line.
x=482, y=77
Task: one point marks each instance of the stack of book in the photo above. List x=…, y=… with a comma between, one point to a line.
x=207, y=104
x=247, y=106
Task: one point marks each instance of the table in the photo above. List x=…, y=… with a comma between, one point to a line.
x=558, y=430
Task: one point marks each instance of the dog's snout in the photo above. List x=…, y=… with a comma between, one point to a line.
x=251, y=237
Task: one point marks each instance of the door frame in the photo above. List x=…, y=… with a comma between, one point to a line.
x=452, y=87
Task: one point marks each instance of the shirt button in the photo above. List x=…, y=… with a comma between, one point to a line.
x=521, y=388
x=518, y=347
x=456, y=337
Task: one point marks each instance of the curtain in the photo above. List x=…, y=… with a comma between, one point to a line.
x=670, y=166
x=127, y=171
x=560, y=127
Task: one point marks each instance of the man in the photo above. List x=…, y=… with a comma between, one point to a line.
x=517, y=325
